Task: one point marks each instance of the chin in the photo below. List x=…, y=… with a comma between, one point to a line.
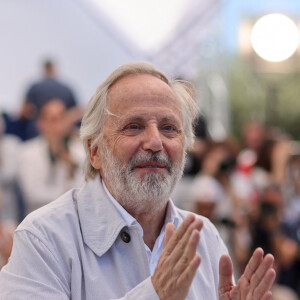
x=149, y=206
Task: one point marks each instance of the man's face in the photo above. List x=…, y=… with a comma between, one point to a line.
x=142, y=151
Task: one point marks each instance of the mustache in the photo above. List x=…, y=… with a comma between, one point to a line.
x=139, y=158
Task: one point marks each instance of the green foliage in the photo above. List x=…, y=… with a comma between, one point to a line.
x=273, y=98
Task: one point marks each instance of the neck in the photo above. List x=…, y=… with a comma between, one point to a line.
x=151, y=224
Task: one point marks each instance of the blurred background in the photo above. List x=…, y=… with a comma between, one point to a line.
x=243, y=58
x=208, y=42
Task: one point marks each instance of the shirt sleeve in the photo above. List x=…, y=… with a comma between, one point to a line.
x=143, y=291
x=32, y=272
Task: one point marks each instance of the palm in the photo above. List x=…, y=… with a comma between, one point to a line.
x=239, y=291
x=255, y=283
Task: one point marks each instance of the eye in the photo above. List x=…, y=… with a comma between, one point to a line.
x=133, y=127
x=168, y=128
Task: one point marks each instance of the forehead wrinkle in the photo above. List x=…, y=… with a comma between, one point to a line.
x=153, y=96
x=146, y=116
x=156, y=109
x=169, y=119
x=159, y=99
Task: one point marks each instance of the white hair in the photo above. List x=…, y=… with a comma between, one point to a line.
x=94, y=119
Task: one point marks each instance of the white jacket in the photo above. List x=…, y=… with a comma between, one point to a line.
x=73, y=249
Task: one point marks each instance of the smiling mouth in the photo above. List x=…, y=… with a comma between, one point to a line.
x=150, y=167
x=147, y=166
x=151, y=162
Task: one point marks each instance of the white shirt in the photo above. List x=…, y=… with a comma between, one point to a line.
x=42, y=181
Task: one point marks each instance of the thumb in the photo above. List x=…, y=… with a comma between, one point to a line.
x=170, y=228
x=225, y=275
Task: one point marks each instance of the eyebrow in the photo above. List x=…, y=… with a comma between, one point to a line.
x=168, y=119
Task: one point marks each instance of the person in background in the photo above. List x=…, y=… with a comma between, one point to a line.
x=40, y=92
x=120, y=236
x=51, y=163
x=6, y=241
x=254, y=136
x=270, y=233
x=11, y=205
x=10, y=210
x=47, y=88
x=206, y=194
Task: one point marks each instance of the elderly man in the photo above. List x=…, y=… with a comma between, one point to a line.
x=120, y=236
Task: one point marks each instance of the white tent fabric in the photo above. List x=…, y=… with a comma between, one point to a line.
x=86, y=43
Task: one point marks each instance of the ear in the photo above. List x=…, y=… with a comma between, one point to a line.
x=95, y=157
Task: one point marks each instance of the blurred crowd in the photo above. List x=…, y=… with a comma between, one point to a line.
x=249, y=189
x=41, y=155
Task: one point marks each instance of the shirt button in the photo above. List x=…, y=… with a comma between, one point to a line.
x=125, y=237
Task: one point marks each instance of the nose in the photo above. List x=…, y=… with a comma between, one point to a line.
x=152, y=139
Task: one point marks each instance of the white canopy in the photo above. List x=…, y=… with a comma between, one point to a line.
x=89, y=38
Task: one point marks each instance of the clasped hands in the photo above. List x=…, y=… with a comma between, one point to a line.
x=179, y=261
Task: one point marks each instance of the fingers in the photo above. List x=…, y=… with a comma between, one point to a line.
x=253, y=263
x=256, y=281
x=181, y=244
x=267, y=296
x=170, y=229
x=266, y=264
x=185, y=245
x=187, y=276
x=187, y=265
x=178, y=262
x=262, y=287
x=190, y=251
x=260, y=274
x=182, y=260
x=185, y=241
x=225, y=274
x=179, y=233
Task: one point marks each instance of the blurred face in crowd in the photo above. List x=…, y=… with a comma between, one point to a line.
x=141, y=156
x=213, y=159
x=254, y=135
x=274, y=197
x=53, y=122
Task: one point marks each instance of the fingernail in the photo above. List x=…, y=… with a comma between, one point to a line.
x=190, y=218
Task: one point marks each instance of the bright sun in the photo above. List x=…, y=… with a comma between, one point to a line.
x=275, y=37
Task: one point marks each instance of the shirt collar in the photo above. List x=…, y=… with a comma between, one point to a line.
x=171, y=214
x=102, y=217
x=128, y=218
x=100, y=222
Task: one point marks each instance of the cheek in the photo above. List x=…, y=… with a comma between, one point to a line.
x=175, y=150
x=122, y=147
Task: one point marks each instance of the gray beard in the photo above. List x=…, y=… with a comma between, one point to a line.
x=147, y=194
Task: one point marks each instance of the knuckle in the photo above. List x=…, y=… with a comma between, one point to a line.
x=255, y=278
x=184, y=261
